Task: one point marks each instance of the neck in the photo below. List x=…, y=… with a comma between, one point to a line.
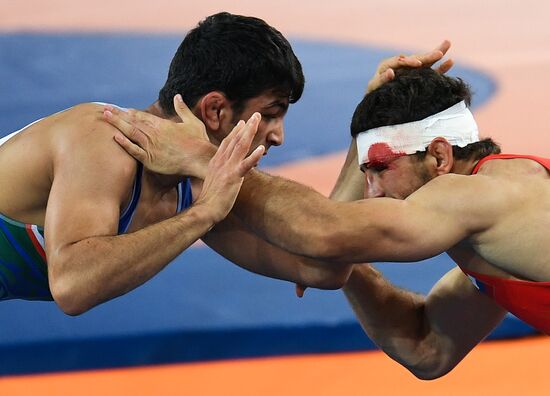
x=464, y=167
x=156, y=181
x=156, y=110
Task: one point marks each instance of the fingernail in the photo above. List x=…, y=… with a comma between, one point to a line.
x=118, y=137
x=179, y=98
x=107, y=113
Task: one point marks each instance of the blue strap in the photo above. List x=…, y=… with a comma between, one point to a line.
x=128, y=214
x=185, y=195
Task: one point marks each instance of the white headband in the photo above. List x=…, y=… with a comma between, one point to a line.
x=456, y=124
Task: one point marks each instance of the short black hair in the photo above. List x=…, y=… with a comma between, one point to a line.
x=238, y=55
x=413, y=95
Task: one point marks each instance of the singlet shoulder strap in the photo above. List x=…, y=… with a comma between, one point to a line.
x=185, y=196
x=128, y=213
x=543, y=161
x=484, y=160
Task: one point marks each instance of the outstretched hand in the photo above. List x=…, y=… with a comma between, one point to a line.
x=161, y=145
x=227, y=168
x=386, y=69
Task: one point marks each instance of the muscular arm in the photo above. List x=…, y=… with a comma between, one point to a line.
x=350, y=185
x=428, y=335
x=300, y=220
x=87, y=262
x=229, y=236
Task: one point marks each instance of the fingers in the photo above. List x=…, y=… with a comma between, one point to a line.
x=399, y=61
x=252, y=160
x=239, y=140
x=181, y=109
x=431, y=57
x=380, y=79
x=445, y=66
x=131, y=148
x=136, y=117
x=386, y=69
x=444, y=46
x=123, y=122
x=246, y=136
x=228, y=143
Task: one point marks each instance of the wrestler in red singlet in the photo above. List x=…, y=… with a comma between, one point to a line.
x=528, y=300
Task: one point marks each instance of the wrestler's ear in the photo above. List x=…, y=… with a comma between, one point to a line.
x=215, y=111
x=442, y=152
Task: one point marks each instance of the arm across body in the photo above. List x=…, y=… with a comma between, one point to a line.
x=300, y=220
x=87, y=262
x=229, y=236
x=427, y=335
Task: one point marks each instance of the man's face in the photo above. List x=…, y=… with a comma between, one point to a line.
x=273, y=107
x=397, y=178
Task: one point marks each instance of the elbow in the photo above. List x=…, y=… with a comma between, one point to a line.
x=429, y=375
x=67, y=300
x=432, y=366
x=68, y=295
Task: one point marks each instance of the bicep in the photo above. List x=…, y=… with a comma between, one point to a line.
x=386, y=229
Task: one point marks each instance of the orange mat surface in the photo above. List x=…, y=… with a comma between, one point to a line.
x=518, y=367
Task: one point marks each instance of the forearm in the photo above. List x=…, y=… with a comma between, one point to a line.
x=96, y=269
x=350, y=185
x=287, y=214
x=263, y=258
x=394, y=319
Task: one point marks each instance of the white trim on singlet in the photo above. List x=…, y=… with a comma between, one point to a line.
x=8, y=137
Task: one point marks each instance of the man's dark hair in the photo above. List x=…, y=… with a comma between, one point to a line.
x=238, y=55
x=413, y=95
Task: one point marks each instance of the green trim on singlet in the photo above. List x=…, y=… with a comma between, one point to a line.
x=23, y=271
x=19, y=224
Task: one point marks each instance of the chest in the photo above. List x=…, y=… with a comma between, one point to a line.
x=152, y=211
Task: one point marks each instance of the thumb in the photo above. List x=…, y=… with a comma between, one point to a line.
x=181, y=108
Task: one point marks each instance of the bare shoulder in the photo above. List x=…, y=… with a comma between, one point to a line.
x=80, y=133
x=477, y=200
x=511, y=168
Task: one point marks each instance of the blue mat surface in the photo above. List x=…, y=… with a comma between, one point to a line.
x=201, y=307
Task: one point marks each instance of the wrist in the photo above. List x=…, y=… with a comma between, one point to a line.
x=204, y=214
x=198, y=166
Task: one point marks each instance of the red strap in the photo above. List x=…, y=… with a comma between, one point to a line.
x=543, y=161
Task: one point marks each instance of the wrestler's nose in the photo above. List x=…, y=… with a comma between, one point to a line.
x=276, y=135
x=373, y=189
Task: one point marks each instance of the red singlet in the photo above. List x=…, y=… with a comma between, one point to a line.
x=528, y=300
